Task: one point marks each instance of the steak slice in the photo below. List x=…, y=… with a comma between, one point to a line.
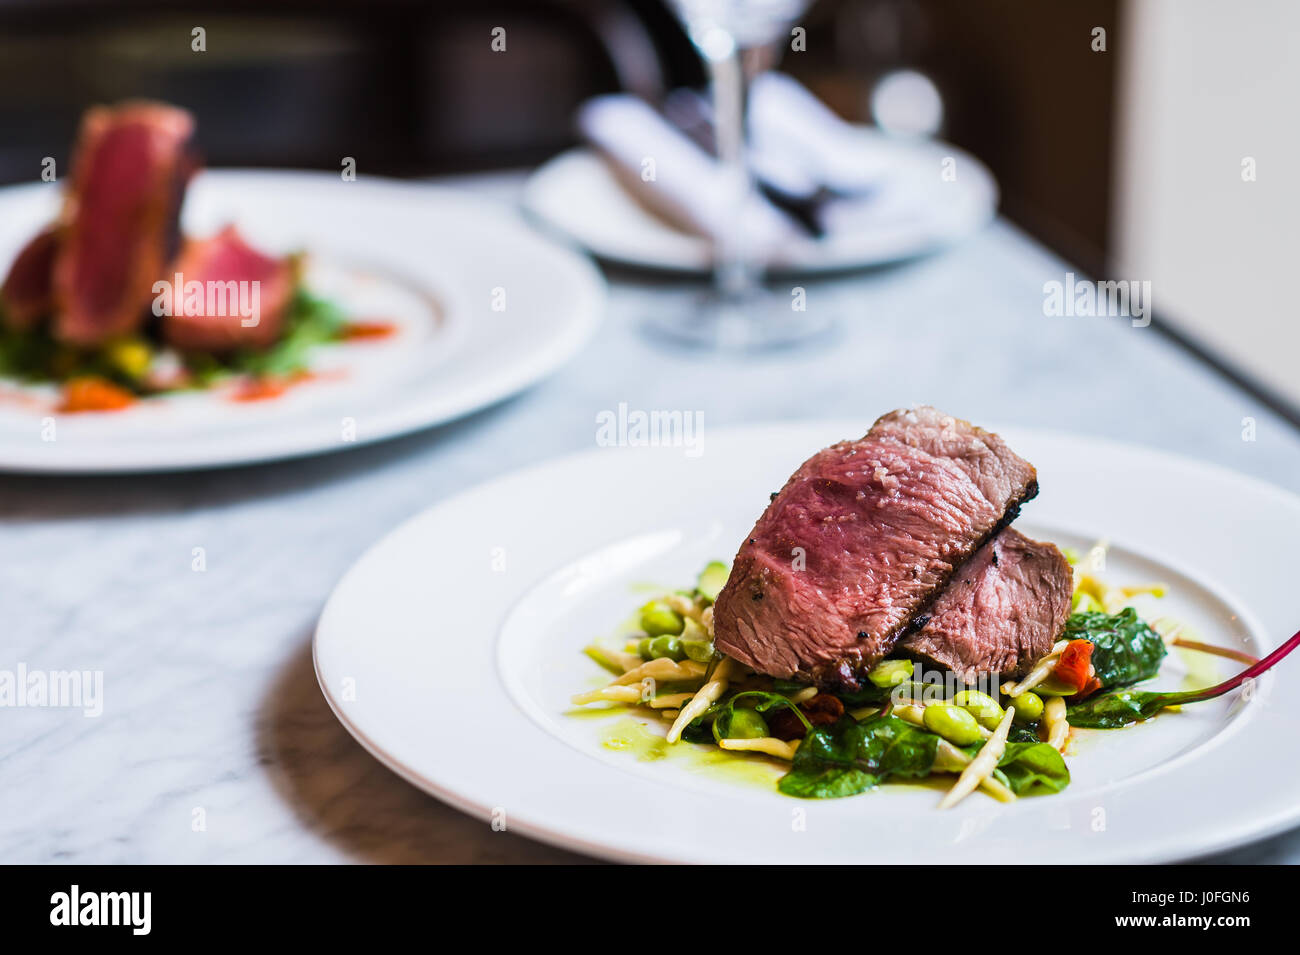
x=132, y=164
x=986, y=459
x=861, y=540
x=1002, y=611
x=231, y=276
x=28, y=293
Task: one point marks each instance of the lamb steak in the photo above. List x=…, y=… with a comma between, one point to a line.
x=131, y=166
x=1001, y=612
x=27, y=294
x=230, y=272
x=850, y=554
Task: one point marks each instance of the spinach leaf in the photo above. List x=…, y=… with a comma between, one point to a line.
x=1130, y=706
x=825, y=781
x=1114, y=710
x=824, y=767
x=1026, y=765
x=700, y=729
x=851, y=757
x=1125, y=648
x=889, y=746
x=1023, y=733
x=868, y=695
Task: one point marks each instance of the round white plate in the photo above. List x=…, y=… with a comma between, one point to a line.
x=577, y=194
x=451, y=649
x=484, y=307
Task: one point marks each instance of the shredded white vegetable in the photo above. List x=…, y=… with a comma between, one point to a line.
x=611, y=694
x=1092, y=563
x=949, y=759
x=662, y=669
x=668, y=699
x=1041, y=671
x=1058, y=727
x=770, y=745
x=705, y=697
x=982, y=766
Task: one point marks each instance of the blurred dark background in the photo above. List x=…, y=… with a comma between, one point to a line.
x=414, y=88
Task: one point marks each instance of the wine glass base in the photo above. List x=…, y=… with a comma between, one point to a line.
x=756, y=322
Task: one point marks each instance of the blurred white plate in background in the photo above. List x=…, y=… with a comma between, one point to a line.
x=916, y=212
x=451, y=649
x=428, y=260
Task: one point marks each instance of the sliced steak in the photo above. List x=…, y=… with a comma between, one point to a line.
x=861, y=540
x=27, y=295
x=1001, y=612
x=241, y=300
x=991, y=465
x=131, y=166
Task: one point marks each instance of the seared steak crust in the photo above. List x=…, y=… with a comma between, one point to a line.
x=1002, y=611
x=859, y=542
x=129, y=176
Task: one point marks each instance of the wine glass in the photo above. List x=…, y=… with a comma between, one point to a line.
x=739, y=314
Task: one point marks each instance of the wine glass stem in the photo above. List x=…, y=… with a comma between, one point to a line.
x=735, y=273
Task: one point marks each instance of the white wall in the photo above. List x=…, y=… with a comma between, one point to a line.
x=1202, y=85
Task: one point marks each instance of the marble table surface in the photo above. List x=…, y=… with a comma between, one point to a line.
x=215, y=744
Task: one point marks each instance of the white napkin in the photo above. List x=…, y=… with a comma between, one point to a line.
x=791, y=129
x=797, y=147
x=675, y=178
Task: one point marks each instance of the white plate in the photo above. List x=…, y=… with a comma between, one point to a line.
x=577, y=194
x=451, y=648
x=434, y=262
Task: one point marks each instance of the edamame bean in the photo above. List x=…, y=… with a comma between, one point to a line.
x=952, y=723
x=701, y=651
x=667, y=646
x=712, y=579
x=889, y=673
x=983, y=707
x=643, y=648
x=744, y=724
x=657, y=619
x=1028, y=707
